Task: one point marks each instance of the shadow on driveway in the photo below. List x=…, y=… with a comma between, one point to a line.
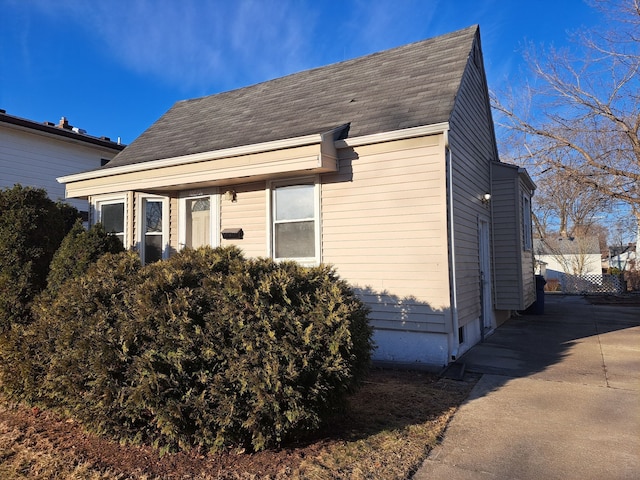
x=595, y=345
x=558, y=399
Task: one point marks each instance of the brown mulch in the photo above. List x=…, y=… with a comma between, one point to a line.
x=67, y=436
x=50, y=430
x=389, y=401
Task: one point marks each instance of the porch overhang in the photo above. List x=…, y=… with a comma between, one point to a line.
x=310, y=154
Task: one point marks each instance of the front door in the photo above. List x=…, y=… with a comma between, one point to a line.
x=198, y=225
x=198, y=222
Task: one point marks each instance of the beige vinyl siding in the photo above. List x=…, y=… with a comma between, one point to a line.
x=173, y=223
x=507, y=238
x=507, y=245
x=384, y=228
x=249, y=212
x=527, y=259
x=513, y=276
x=473, y=148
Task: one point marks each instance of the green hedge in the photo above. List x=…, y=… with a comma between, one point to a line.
x=78, y=250
x=31, y=229
x=206, y=348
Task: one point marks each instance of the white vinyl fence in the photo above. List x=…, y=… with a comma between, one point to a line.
x=592, y=283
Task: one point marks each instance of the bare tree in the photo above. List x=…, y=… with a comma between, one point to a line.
x=581, y=112
x=562, y=204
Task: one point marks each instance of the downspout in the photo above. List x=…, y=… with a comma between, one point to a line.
x=454, y=344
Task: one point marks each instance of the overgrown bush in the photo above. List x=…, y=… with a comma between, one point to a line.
x=23, y=351
x=79, y=249
x=632, y=277
x=206, y=348
x=31, y=229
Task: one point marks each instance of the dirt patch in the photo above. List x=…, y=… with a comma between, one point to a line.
x=391, y=424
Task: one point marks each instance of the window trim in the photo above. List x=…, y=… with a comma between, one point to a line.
x=272, y=186
x=214, y=199
x=96, y=212
x=141, y=223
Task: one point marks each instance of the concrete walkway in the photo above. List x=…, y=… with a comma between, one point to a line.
x=559, y=399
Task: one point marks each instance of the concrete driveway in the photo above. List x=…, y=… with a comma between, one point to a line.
x=559, y=399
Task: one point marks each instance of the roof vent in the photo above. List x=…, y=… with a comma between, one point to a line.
x=79, y=130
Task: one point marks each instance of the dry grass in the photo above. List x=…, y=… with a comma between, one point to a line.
x=392, y=423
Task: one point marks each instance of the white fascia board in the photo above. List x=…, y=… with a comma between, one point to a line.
x=527, y=178
x=394, y=135
x=196, y=157
x=323, y=139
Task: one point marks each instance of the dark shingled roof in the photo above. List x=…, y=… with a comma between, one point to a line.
x=404, y=87
x=561, y=245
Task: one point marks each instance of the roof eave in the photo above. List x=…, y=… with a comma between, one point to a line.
x=401, y=134
x=31, y=126
x=325, y=139
x=194, y=158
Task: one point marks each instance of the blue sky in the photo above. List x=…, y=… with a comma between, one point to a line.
x=113, y=67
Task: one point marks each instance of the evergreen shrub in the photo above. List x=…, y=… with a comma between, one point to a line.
x=31, y=229
x=79, y=249
x=206, y=349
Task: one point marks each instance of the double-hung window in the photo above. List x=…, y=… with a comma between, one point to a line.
x=153, y=228
x=111, y=213
x=295, y=222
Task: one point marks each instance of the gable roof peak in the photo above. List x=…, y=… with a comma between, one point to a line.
x=407, y=86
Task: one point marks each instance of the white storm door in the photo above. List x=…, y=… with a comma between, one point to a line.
x=198, y=221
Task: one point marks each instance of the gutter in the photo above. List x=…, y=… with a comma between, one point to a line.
x=454, y=344
x=326, y=140
x=50, y=129
x=402, y=134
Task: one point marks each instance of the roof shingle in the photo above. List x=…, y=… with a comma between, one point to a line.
x=408, y=86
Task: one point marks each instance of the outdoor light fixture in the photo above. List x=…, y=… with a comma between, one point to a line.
x=231, y=195
x=486, y=197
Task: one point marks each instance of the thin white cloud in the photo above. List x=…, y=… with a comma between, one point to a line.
x=195, y=44
x=202, y=46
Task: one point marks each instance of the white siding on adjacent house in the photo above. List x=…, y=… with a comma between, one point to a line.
x=36, y=160
x=384, y=228
x=557, y=265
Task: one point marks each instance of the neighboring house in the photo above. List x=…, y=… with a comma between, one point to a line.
x=576, y=256
x=381, y=166
x=33, y=154
x=622, y=257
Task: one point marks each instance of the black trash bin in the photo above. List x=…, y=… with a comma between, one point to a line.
x=539, y=305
